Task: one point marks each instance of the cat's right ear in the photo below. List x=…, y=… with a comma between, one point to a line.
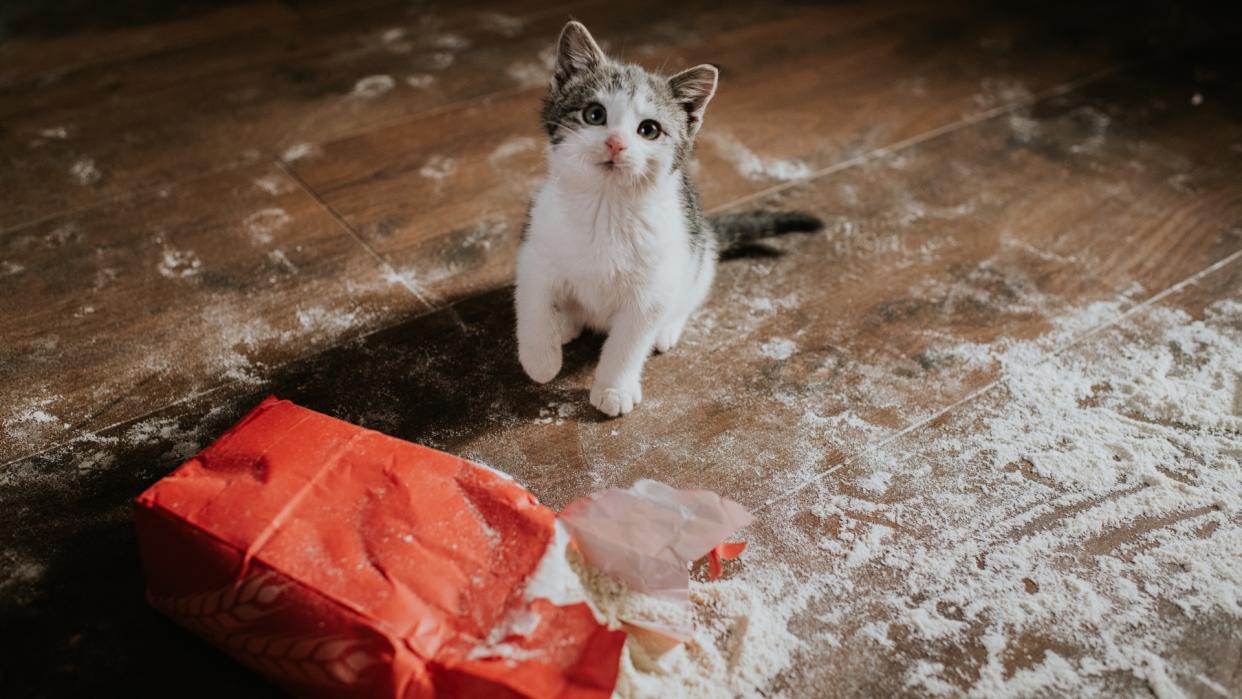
x=576, y=53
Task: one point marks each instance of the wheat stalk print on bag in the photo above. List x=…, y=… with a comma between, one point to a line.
x=616, y=239
x=232, y=617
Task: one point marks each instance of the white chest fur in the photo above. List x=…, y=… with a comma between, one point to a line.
x=611, y=250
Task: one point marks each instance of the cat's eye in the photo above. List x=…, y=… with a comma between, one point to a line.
x=594, y=114
x=649, y=130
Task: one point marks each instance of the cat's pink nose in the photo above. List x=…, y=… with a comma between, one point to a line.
x=615, y=145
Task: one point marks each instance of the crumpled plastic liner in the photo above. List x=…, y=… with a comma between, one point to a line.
x=648, y=535
x=340, y=562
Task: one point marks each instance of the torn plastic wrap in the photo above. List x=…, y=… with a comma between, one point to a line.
x=647, y=537
x=341, y=562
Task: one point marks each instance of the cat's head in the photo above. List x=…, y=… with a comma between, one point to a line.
x=616, y=122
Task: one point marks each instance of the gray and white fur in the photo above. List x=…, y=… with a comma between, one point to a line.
x=616, y=239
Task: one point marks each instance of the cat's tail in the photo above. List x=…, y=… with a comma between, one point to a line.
x=736, y=230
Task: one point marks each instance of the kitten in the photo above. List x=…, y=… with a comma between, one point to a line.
x=615, y=238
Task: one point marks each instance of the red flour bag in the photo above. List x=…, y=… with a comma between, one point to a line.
x=341, y=562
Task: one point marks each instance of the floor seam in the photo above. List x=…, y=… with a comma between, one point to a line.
x=390, y=271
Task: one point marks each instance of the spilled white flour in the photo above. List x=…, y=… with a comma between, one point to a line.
x=300, y=151
x=438, y=167
x=753, y=166
x=510, y=148
x=262, y=224
x=778, y=348
x=85, y=171
x=373, y=86
x=420, y=81
x=741, y=641
x=273, y=184
x=741, y=637
x=178, y=264
x=528, y=74
x=1063, y=534
x=502, y=24
x=1066, y=511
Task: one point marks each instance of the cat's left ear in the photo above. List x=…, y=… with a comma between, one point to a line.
x=693, y=89
x=576, y=52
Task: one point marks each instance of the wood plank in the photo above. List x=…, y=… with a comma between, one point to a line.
x=165, y=117
x=271, y=56
x=802, y=90
x=41, y=44
x=115, y=311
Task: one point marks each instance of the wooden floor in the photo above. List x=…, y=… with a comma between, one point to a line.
x=206, y=203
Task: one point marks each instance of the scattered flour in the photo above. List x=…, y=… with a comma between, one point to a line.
x=556, y=413
x=178, y=264
x=262, y=224
x=373, y=86
x=529, y=74
x=1096, y=123
x=31, y=419
x=499, y=23
x=280, y=259
x=438, y=167
x=1025, y=128
x=751, y=165
x=1093, y=489
x=876, y=482
x=440, y=60
x=510, y=148
x=85, y=171
x=420, y=81
x=778, y=348
x=1002, y=91
x=273, y=184
x=300, y=151
x=451, y=42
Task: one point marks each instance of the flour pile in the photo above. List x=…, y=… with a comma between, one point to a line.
x=741, y=637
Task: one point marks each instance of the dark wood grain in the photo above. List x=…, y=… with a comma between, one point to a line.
x=109, y=314
x=164, y=116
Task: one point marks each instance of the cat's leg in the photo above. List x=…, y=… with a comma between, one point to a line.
x=618, y=388
x=570, y=320
x=668, y=335
x=540, y=325
x=672, y=327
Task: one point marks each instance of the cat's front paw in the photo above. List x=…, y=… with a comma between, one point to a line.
x=616, y=400
x=666, y=339
x=541, y=363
